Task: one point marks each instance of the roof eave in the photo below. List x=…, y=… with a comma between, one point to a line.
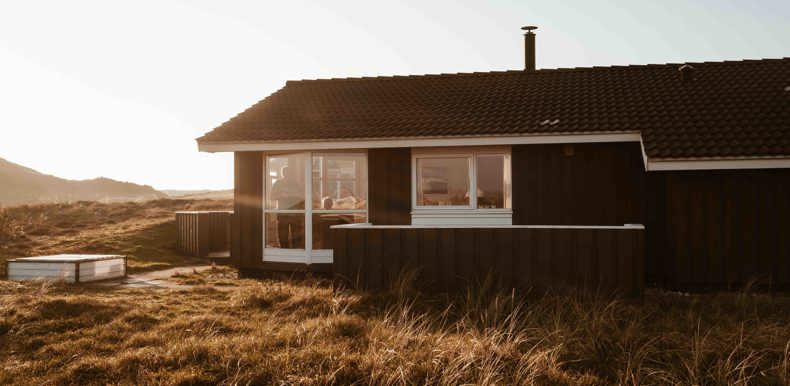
x=719, y=163
x=389, y=142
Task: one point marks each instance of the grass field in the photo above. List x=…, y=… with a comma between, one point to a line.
x=145, y=232
x=219, y=329
x=301, y=331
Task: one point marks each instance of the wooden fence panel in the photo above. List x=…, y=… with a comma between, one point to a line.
x=201, y=233
x=608, y=259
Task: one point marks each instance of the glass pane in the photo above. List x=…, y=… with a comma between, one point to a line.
x=285, y=230
x=285, y=181
x=443, y=181
x=322, y=222
x=340, y=181
x=491, y=181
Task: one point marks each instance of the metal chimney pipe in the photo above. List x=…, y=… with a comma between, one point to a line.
x=529, y=47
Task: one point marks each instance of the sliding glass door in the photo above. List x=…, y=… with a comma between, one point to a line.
x=306, y=193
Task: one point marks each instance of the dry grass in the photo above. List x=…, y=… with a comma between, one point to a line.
x=223, y=330
x=145, y=232
x=300, y=331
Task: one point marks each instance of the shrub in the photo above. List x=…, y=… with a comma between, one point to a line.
x=10, y=229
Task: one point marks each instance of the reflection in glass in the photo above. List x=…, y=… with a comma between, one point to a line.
x=285, y=230
x=322, y=222
x=491, y=181
x=443, y=181
x=339, y=181
x=285, y=182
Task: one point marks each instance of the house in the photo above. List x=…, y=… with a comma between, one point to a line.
x=677, y=175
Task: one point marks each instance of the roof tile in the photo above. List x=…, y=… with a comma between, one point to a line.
x=730, y=109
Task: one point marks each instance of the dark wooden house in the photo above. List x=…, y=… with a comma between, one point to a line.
x=673, y=174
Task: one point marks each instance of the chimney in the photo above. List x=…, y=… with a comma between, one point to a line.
x=529, y=47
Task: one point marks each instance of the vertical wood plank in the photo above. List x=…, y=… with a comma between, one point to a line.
x=429, y=258
x=374, y=257
x=411, y=249
x=392, y=255
x=465, y=255
x=639, y=263
x=484, y=252
x=340, y=264
x=178, y=233
x=542, y=252
x=587, y=277
x=626, y=274
x=607, y=259
x=523, y=266
x=447, y=259
x=203, y=234
x=356, y=259
x=561, y=264
x=503, y=244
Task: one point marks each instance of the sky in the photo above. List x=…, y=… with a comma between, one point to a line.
x=121, y=89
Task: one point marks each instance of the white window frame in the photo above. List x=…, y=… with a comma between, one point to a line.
x=308, y=255
x=463, y=214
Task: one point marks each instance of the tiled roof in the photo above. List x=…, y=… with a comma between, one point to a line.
x=729, y=109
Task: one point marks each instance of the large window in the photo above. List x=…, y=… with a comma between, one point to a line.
x=335, y=185
x=461, y=186
x=340, y=192
x=443, y=181
x=493, y=181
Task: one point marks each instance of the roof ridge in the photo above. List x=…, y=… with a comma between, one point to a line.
x=538, y=71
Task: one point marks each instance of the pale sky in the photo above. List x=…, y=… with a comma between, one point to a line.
x=122, y=89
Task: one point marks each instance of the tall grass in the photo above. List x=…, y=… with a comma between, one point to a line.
x=303, y=331
x=9, y=228
x=143, y=231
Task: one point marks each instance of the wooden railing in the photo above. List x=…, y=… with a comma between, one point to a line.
x=204, y=233
x=605, y=258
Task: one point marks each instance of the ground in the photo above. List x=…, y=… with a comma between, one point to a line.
x=219, y=329
x=210, y=327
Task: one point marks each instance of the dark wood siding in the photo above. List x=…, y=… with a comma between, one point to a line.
x=578, y=184
x=247, y=222
x=452, y=258
x=656, y=246
x=704, y=229
x=720, y=229
x=389, y=186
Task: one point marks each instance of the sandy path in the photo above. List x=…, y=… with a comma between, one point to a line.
x=158, y=279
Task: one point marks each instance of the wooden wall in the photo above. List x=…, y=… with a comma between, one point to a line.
x=578, y=184
x=452, y=258
x=704, y=229
x=247, y=224
x=389, y=186
x=719, y=229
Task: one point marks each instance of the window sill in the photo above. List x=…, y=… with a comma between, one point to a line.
x=462, y=216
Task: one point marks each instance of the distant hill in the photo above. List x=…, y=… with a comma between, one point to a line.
x=20, y=185
x=200, y=194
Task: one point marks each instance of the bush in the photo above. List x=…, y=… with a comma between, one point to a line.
x=10, y=229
